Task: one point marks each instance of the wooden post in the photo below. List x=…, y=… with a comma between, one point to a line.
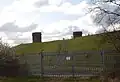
x=41, y=63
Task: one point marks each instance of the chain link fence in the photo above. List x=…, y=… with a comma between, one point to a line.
x=92, y=63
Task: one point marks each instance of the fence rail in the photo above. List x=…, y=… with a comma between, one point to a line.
x=90, y=63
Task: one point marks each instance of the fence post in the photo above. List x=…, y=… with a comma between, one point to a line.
x=73, y=68
x=103, y=62
x=103, y=58
x=41, y=63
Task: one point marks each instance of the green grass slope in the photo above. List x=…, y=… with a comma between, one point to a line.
x=85, y=43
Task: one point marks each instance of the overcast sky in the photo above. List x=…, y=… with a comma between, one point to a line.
x=56, y=19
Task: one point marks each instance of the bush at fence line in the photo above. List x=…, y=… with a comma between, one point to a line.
x=9, y=64
x=111, y=75
x=13, y=68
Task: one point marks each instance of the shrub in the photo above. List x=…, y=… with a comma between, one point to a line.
x=9, y=63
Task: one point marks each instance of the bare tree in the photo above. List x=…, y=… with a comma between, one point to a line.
x=107, y=16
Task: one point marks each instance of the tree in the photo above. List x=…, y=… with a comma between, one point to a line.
x=106, y=14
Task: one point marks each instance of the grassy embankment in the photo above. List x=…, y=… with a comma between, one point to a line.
x=86, y=43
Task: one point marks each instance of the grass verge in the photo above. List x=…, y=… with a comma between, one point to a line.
x=45, y=79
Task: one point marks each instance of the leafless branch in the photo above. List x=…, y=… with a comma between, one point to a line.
x=116, y=4
x=106, y=11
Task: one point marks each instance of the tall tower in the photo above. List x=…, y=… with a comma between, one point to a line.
x=36, y=37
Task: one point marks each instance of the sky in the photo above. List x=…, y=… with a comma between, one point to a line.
x=56, y=19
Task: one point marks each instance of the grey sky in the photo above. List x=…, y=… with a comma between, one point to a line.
x=19, y=18
x=11, y=27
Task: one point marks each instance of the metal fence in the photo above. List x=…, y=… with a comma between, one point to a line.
x=91, y=63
